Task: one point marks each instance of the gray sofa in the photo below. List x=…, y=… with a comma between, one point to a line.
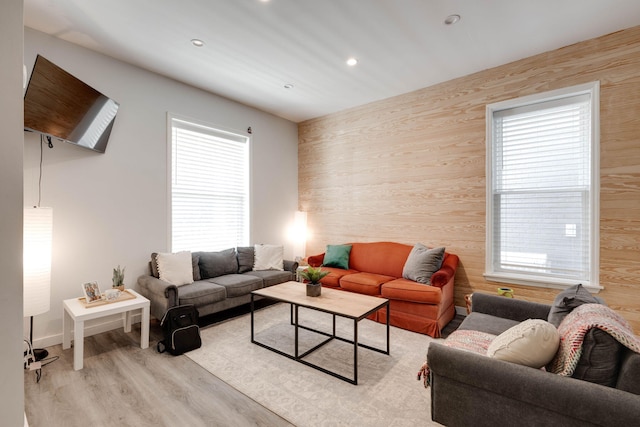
x=222, y=280
x=469, y=389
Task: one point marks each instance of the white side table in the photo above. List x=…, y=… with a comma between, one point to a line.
x=299, y=270
x=76, y=313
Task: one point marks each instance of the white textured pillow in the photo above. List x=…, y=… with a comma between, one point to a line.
x=175, y=268
x=533, y=343
x=268, y=257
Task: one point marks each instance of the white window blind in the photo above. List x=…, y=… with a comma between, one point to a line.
x=209, y=188
x=542, y=220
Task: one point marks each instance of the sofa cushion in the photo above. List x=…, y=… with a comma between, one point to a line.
x=364, y=283
x=386, y=258
x=567, y=300
x=335, y=274
x=271, y=277
x=194, y=263
x=408, y=290
x=629, y=372
x=201, y=293
x=237, y=285
x=268, y=257
x=175, y=268
x=600, y=359
x=495, y=325
x=337, y=256
x=422, y=263
x=245, y=258
x=214, y=264
x=532, y=343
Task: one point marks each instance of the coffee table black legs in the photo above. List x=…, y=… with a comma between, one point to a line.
x=297, y=356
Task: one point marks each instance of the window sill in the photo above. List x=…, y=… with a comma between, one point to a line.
x=539, y=281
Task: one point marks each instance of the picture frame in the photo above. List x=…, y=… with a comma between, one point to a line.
x=91, y=292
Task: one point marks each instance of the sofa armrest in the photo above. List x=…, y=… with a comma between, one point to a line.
x=163, y=295
x=315, y=260
x=291, y=266
x=502, y=393
x=447, y=271
x=508, y=308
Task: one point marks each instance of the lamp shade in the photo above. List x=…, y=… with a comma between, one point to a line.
x=300, y=233
x=38, y=232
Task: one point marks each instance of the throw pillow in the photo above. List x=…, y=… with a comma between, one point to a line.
x=194, y=263
x=214, y=264
x=600, y=359
x=245, y=259
x=422, y=262
x=567, y=300
x=175, y=268
x=337, y=256
x=268, y=257
x=532, y=343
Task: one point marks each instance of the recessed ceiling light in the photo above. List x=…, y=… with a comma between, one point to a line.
x=288, y=86
x=352, y=61
x=197, y=42
x=451, y=19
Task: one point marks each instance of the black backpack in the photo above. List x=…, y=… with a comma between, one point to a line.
x=180, y=330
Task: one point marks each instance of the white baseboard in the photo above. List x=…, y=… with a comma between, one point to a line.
x=461, y=310
x=101, y=325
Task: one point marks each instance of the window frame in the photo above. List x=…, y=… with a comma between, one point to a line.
x=520, y=278
x=220, y=131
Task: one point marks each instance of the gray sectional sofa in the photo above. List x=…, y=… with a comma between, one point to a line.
x=471, y=389
x=222, y=280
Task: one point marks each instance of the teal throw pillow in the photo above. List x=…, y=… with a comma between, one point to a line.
x=337, y=256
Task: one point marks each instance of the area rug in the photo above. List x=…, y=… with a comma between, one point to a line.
x=387, y=393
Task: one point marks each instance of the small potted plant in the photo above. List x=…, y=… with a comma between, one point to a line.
x=312, y=277
x=118, y=278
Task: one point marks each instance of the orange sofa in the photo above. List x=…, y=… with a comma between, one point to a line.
x=376, y=269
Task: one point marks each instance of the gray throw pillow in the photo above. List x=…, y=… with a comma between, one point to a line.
x=245, y=258
x=214, y=264
x=422, y=262
x=567, y=300
x=600, y=359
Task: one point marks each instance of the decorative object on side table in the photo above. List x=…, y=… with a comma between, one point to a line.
x=92, y=292
x=313, y=276
x=118, y=278
x=505, y=292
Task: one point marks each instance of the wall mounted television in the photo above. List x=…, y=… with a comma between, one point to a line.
x=58, y=105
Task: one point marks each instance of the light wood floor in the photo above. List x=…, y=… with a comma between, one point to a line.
x=123, y=385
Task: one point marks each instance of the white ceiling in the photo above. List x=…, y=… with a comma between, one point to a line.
x=253, y=48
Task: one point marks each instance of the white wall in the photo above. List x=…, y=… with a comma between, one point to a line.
x=11, y=122
x=112, y=208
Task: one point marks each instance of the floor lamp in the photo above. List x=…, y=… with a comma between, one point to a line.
x=38, y=232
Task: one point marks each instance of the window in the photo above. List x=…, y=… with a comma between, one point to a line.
x=542, y=189
x=209, y=187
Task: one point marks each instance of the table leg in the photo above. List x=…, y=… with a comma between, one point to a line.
x=355, y=352
x=78, y=344
x=127, y=321
x=295, y=341
x=66, y=329
x=252, y=308
x=144, y=328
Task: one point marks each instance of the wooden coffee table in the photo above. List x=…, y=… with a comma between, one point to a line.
x=337, y=303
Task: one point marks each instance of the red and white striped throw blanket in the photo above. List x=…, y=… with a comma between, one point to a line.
x=473, y=341
x=575, y=326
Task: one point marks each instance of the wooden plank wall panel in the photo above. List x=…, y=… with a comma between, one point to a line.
x=412, y=168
